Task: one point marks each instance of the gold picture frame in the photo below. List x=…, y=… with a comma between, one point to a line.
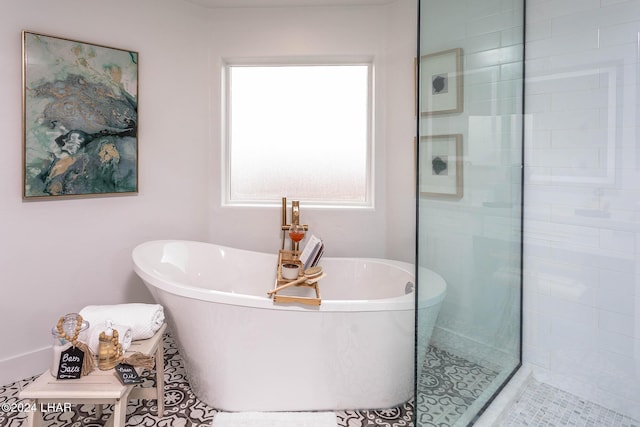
x=80, y=119
x=440, y=166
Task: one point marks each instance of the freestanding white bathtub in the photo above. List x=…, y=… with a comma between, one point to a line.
x=243, y=352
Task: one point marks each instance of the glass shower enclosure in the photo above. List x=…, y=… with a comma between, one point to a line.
x=469, y=205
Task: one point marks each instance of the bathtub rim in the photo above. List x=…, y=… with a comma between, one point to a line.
x=400, y=303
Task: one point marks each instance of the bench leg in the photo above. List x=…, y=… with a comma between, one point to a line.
x=160, y=377
x=34, y=418
x=120, y=412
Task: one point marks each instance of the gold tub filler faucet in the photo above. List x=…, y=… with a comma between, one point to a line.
x=290, y=260
x=295, y=229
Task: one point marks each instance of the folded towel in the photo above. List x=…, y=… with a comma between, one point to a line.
x=143, y=319
x=93, y=336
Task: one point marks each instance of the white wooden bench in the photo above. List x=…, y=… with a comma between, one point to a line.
x=99, y=387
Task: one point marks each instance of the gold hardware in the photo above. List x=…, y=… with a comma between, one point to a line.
x=109, y=350
x=295, y=221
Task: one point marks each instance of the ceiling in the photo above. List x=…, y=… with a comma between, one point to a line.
x=282, y=3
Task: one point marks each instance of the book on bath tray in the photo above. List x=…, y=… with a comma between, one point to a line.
x=312, y=252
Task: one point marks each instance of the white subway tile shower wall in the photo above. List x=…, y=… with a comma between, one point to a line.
x=582, y=198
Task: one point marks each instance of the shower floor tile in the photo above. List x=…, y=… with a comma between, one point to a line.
x=540, y=404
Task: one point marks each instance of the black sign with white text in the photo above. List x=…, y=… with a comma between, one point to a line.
x=70, y=366
x=127, y=374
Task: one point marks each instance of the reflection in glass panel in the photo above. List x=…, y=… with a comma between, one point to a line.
x=469, y=210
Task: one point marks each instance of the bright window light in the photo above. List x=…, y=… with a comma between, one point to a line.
x=300, y=131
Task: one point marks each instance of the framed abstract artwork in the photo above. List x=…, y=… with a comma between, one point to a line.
x=441, y=82
x=440, y=166
x=80, y=118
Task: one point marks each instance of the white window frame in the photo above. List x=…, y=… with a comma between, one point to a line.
x=228, y=63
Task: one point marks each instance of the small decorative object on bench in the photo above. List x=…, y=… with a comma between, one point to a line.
x=127, y=374
x=71, y=357
x=94, y=331
x=137, y=321
x=109, y=349
x=101, y=387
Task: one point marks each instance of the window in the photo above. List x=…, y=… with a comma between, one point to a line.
x=300, y=131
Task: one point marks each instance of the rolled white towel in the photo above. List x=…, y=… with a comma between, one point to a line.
x=93, y=336
x=143, y=319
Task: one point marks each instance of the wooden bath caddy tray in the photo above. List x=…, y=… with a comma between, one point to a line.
x=291, y=257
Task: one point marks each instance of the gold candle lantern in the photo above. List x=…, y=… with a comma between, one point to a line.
x=109, y=349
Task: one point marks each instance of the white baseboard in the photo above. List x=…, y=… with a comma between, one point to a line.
x=25, y=365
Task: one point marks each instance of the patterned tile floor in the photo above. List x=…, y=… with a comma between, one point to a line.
x=542, y=405
x=446, y=389
x=447, y=386
x=182, y=407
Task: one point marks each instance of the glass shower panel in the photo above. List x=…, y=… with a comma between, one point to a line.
x=470, y=205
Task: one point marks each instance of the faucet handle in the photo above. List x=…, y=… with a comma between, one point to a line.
x=295, y=212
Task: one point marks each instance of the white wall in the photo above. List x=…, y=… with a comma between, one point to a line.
x=388, y=33
x=399, y=147
x=56, y=256
x=582, y=198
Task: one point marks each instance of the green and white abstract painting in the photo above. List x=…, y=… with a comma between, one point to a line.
x=80, y=106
